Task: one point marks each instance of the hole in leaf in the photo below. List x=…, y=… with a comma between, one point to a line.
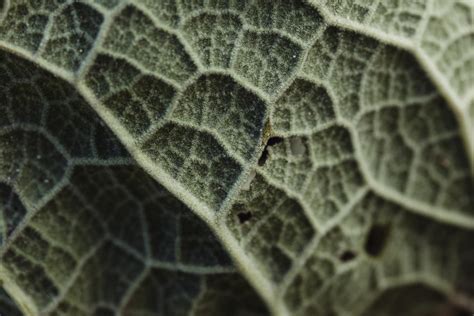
x=377, y=239
x=244, y=217
x=347, y=255
x=272, y=141
x=263, y=158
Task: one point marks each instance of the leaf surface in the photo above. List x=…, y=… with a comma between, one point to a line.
x=328, y=145
x=85, y=231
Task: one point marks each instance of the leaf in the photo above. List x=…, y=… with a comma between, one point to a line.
x=87, y=232
x=328, y=145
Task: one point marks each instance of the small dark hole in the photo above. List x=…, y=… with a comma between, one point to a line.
x=347, y=255
x=377, y=239
x=244, y=217
x=274, y=141
x=263, y=158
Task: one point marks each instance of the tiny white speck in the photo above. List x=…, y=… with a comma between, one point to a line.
x=38, y=157
x=46, y=181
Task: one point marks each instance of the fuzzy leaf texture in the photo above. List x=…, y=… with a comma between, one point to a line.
x=236, y=157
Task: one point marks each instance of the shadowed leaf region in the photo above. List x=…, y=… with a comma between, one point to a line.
x=84, y=230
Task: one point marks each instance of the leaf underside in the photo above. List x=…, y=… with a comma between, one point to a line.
x=229, y=157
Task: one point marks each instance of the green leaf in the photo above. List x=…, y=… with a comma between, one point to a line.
x=87, y=232
x=326, y=146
